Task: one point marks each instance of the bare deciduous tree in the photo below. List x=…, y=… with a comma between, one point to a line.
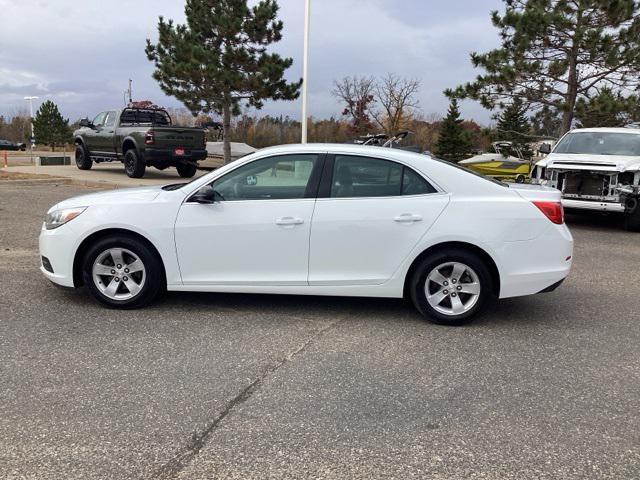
x=357, y=95
x=397, y=99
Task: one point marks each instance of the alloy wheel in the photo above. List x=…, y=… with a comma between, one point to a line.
x=452, y=288
x=119, y=273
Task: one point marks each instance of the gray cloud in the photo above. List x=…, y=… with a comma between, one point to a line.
x=81, y=54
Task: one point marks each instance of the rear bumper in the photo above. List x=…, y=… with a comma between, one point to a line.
x=593, y=205
x=168, y=155
x=537, y=265
x=552, y=287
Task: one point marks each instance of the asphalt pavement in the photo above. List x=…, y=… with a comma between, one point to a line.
x=204, y=386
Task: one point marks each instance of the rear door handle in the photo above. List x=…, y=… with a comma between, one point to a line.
x=289, y=221
x=407, y=218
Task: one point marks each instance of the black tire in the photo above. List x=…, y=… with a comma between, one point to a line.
x=186, y=170
x=485, y=298
x=154, y=276
x=83, y=160
x=632, y=215
x=134, y=166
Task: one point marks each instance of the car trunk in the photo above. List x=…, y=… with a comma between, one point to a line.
x=536, y=193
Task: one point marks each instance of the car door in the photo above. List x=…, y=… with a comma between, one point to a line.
x=370, y=214
x=105, y=135
x=257, y=230
x=92, y=135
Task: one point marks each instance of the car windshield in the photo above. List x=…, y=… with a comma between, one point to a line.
x=600, y=143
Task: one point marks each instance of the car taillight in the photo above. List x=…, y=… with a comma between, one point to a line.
x=552, y=210
x=149, y=138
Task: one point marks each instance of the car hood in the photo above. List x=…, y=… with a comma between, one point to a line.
x=121, y=195
x=579, y=161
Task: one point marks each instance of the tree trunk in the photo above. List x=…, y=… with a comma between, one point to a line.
x=572, y=80
x=570, y=98
x=226, y=132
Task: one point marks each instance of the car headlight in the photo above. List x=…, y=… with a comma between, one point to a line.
x=60, y=217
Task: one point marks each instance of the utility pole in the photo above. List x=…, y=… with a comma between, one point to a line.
x=31, y=99
x=305, y=69
x=129, y=90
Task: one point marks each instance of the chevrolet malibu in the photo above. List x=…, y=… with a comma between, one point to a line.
x=316, y=219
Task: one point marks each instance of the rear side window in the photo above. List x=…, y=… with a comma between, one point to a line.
x=355, y=176
x=110, y=120
x=135, y=116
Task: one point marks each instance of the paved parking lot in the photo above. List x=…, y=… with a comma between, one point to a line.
x=247, y=386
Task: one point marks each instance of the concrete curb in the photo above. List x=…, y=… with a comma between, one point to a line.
x=64, y=181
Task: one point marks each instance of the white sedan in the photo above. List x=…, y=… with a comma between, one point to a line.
x=316, y=220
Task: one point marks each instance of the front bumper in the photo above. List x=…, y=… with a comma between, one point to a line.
x=168, y=155
x=58, y=247
x=593, y=205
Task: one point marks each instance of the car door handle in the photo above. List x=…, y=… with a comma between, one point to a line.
x=407, y=218
x=289, y=221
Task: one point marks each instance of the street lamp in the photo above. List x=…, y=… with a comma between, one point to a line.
x=31, y=99
x=305, y=69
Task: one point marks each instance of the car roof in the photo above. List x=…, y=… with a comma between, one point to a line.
x=346, y=148
x=606, y=129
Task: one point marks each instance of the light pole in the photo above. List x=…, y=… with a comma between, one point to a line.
x=31, y=99
x=305, y=69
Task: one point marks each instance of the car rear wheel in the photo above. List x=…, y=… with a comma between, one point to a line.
x=123, y=272
x=186, y=170
x=451, y=287
x=83, y=160
x=134, y=166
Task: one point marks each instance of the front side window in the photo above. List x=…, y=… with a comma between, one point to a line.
x=355, y=176
x=272, y=178
x=99, y=120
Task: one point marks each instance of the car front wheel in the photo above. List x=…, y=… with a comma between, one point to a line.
x=451, y=287
x=123, y=272
x=83, y=160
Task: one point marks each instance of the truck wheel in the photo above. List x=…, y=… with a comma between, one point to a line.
x=83, y=160
x=186, y=170
x=632, y=216
x=134, y=167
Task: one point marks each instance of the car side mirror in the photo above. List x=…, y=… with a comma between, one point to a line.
x=86, y=123
x=205, y=195
x=544, y=148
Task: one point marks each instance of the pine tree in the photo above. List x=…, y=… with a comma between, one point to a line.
x=513, y=125
x=49, y=127
x=454, y=143
x=607, y=109
x=546, y=122
x=556, y=51
x=218, y=59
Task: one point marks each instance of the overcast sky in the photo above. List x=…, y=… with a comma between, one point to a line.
x=80, y=54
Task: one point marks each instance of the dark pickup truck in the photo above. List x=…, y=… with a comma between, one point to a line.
x=139, y=137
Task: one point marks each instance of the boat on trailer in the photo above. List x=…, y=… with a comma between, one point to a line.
x=501, y=165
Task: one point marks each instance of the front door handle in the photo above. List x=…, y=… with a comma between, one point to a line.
x=289, y=221
x=408, y=218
